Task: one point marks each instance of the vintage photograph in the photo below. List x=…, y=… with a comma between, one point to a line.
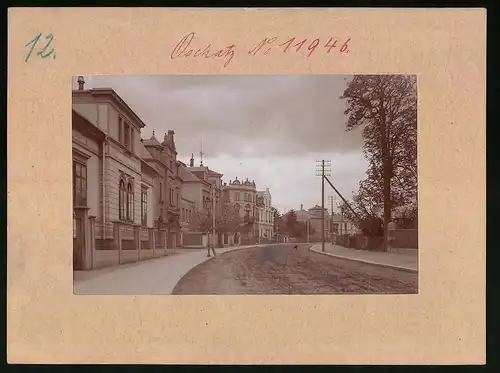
x=245, y=184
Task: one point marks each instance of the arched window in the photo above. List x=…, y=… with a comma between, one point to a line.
x=237, y=207
x=122, y=198
x=130, y=202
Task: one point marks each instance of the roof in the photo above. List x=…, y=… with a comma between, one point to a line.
x=152, y=141
x=82, y=124
x=144, y=153
x=186, y=175
x=110, y=92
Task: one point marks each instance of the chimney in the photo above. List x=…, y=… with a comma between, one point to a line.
x=301, y=207
x=81, y=83
x=170, y=136
x=191, y=161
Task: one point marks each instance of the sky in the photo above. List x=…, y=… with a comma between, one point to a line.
x=268, y=128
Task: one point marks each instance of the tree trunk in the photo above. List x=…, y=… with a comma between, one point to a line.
x=387, y=175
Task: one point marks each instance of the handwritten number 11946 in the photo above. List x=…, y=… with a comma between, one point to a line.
x=44, y=52
x=297, y=45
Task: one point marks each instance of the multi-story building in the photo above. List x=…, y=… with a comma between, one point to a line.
x=264, y=217
x=112, y=185
x=313, y=218
x=203, y=188
x=243, y=198
x=163, y=158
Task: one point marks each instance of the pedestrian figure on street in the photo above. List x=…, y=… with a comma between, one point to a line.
x=210, y=246
x=296, y=247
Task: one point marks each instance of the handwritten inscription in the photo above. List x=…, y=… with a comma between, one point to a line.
x=44, y=52
x=308, y=46
x=184, y=49
x=187, y=48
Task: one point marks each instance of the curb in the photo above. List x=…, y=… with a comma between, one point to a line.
x=406, y=269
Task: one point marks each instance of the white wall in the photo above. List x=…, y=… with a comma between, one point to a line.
x=193, y=192
x=87, y=110
x=95, y=113
x=113, y=123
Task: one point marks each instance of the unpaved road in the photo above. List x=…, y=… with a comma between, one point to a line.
x=281, y=270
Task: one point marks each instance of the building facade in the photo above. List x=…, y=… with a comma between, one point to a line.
x=163, y=158
x=264, y=217
x=111, y=182
x=242, y=196
x=341, y=226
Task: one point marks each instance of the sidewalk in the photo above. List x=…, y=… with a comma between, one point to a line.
x=151, y=277
x=408, y=262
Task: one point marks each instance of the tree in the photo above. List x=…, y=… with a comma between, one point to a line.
x=227, y=220
x=276, y=218
x=291, y=221
x=385, y=106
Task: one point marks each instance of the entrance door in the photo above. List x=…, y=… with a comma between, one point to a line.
x=78, y=244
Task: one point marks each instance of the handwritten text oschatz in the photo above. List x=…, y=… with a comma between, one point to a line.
x=187, y=48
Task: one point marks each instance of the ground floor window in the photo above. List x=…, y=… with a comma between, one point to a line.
x=79, y=184
x=144, y=207
x=126, y=201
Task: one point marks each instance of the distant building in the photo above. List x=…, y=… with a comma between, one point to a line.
x=200, y=185
x=340, y=225
x=243, y=198
x=314, y=218
x=163, y=158
x=264, y=217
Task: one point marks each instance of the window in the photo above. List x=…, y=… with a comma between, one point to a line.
x=171, y=166
x=144, y=207
x=79, y=184
x=125, y=133
x=120, y=130
x=183, y=215
x=126, y=141
x=122, y=198
x=130, y=202
x=237, y=196
x=189, y=216
x=161, y=192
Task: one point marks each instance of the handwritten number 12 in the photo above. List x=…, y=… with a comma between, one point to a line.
x=43, y=53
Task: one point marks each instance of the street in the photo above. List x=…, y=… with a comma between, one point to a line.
x=279, y=269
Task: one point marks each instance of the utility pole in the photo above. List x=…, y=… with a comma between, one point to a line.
x=322, y=169
x=332, y=200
